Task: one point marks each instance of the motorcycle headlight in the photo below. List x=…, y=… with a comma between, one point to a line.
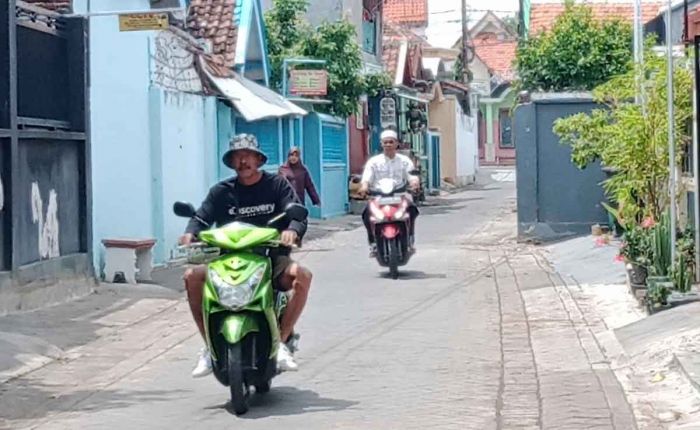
x=376, y=211
x=238, y=296
x=401, y=213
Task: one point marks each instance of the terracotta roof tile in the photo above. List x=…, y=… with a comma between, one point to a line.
x=390, y=58
x=394, y=35
x=407, y=12
x=395, y=32
x=543, y=15
x=497, y=55
x=214, y=21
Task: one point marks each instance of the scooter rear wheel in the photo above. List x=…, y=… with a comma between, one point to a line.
x=240, y=392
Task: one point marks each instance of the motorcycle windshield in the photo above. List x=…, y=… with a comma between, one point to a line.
x=388, y=186
x=239, y=235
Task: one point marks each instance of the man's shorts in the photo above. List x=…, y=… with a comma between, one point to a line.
x=280, y=263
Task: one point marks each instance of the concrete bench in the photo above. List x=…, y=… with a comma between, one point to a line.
x=133, y=258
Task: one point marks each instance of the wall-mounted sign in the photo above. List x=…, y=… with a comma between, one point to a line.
x=387, y=112
x=143, y=21
x=308, y=82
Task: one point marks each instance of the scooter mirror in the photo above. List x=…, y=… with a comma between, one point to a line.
x=184, y=209
x=296, y=212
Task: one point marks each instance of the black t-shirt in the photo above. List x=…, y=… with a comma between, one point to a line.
x=256, y=204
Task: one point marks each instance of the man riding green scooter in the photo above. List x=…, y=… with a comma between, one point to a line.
x=254, y=197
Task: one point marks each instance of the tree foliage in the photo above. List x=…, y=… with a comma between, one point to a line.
x=286, y=28
x=289, y=36
x=578, y=53
x=459, y=71
x=631, y=139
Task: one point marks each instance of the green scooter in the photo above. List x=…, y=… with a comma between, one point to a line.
x=241, y=309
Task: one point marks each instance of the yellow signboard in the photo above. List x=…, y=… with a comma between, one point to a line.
x=143, y=21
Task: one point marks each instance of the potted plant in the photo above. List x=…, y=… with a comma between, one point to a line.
x=660, y=240
x=636, y=252
x=683, y=270
x=680, y=275
x=657, y=296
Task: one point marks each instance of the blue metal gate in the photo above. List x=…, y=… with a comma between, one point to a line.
x=434, y=180
x=326, y=156
x=268, y=134
x=45, y=186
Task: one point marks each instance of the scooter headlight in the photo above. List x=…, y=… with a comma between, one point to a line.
x=402, y=212
x=376, y=212
x=236, y=297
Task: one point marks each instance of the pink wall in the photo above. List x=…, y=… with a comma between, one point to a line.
x=358, y=146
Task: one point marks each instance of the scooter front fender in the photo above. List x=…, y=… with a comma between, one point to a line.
x=235, y=327
x=390, y=231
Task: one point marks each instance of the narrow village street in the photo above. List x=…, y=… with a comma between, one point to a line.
x=474, y=335
x=551, y=146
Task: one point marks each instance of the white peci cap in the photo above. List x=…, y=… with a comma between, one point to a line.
x=389, y=134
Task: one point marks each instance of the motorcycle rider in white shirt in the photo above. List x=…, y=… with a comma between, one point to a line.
x=389, y=164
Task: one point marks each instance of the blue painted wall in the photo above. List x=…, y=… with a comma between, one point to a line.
x=189, y=160
x=149, y=147
x=120, y=133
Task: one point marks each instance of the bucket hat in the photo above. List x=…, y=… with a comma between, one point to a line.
x=241, y=142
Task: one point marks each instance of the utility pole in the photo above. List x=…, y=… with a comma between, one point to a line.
x=465, y=44
x=637, y=34
x=671, y=141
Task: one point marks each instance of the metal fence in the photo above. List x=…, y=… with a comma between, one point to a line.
x=44, y=147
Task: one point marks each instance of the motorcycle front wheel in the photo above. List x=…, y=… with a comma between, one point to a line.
x=263, y=388
x=240, y=392
x=394, y=258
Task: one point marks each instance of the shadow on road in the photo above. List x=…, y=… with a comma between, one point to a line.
x=441, y=206
x=29, y=399
x=412, y=275
x=286, y=401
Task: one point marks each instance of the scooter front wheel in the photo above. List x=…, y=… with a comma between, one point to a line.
x=394, y=258
x=263, y=388
x=240, y=392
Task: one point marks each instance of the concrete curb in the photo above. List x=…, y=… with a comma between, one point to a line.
x=31, y=360
x=33, y=353
x=689, y=366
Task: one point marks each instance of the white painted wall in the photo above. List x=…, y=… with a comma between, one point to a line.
x=482, y=78
x=467, y=138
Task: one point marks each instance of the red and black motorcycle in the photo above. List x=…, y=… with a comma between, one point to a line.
x=391, y=223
